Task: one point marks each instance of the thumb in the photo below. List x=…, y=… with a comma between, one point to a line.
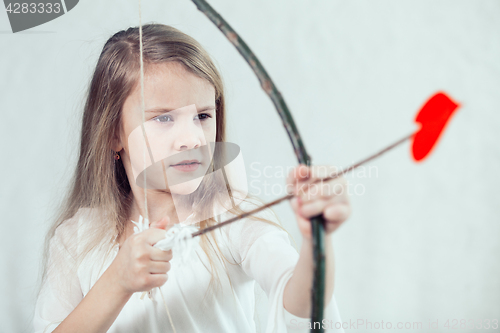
x=161, y=224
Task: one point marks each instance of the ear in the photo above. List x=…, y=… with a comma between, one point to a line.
x=116, y=142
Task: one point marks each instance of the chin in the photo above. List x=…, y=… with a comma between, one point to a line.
x=186, y=188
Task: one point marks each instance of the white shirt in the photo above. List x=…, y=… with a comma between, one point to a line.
x=266, y=257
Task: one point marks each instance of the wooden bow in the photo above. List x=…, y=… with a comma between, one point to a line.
x=298, y=146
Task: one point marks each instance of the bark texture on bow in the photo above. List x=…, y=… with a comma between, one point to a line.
x=267, y=84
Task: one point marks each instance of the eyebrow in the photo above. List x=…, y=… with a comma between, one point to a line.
x=164, y=110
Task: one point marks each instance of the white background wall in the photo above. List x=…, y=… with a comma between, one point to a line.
x=423, y=240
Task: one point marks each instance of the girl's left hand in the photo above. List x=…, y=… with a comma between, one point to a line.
x=329, y=198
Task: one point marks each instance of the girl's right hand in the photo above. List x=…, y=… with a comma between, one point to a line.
x=138, y=265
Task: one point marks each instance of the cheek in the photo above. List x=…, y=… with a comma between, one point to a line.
x=137, y=151
x=213, y=135
x=128, y=126
x=213, y=131
x=122, y=139
x=209, y=132
x=161, y=143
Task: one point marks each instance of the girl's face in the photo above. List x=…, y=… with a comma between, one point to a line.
x=174, y=141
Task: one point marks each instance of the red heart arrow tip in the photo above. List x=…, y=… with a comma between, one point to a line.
x=433, y=117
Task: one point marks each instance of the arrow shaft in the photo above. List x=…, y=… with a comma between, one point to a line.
x=290, y=196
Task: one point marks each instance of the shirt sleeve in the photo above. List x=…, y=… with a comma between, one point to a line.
x=267, y=256
x=60, y=292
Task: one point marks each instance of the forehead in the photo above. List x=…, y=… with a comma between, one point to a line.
x=170, y=85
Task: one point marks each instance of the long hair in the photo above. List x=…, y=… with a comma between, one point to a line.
x=101, y=183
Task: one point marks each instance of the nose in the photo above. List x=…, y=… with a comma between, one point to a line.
x=189, y=136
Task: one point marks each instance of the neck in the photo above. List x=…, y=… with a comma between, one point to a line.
x=160, y=204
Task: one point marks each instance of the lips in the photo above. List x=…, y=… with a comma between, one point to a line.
x=186, y=162
x=186, y=165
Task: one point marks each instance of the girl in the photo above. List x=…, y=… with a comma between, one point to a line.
x=98, y=265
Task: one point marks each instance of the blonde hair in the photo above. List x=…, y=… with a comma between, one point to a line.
x=100, y=182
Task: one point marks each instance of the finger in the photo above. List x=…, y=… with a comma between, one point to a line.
x=158, y=280
x=316, y=191
x=298, y=173
x=303, y=173
x=160, y=255
x=159, y=267
x=303, y=186
x=323, y=171
x=310, y=192
x=325, y=190
x=154, y=235
x=335, y=189
x=337, y=213
x=313, y=208
x=315, y=176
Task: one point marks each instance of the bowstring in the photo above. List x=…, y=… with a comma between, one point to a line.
x=143, y=108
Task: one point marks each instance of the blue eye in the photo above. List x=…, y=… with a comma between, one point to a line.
x=163, y=118
x=204, y=116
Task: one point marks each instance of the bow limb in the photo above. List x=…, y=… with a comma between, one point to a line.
x=300, y=151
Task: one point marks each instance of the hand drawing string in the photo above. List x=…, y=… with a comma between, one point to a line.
x=143, y=108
